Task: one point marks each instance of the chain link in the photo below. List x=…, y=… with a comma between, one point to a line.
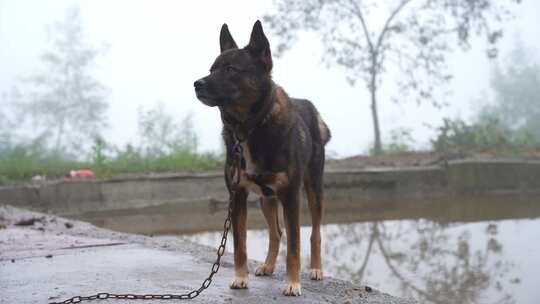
x=235, y=175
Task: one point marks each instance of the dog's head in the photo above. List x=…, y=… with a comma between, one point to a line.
x=238, y=77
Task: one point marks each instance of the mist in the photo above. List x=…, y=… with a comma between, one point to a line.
x=152, y=52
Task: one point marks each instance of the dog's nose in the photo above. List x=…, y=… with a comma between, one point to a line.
x=198, y=84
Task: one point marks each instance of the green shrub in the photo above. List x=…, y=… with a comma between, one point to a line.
x=133, y=161
x=400, y=141
x=488, y=132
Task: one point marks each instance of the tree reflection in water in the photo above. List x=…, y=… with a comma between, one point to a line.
x=425, y=260
x=429, y=261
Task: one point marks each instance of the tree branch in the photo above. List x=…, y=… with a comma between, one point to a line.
x=400, y=276
x=388, y=21
x=360, y=15
x=368, y=253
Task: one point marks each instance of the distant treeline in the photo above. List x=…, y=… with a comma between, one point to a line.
x=52, y=122
x=164, y=146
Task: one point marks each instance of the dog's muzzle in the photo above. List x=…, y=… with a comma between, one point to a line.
x=202, y=93
x=199, y=85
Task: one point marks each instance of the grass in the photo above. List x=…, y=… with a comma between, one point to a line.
x=172, y=162
x=20, y=166
x=15, y=168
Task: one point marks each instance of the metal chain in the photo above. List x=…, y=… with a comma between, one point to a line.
x=235, y=175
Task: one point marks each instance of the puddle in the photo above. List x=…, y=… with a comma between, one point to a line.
x=484, y=262
x=455, y=251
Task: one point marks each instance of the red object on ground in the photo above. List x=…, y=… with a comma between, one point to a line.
x=79, y=174
x=82, y=173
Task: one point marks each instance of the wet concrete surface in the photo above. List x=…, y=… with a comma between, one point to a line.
x=45, y=258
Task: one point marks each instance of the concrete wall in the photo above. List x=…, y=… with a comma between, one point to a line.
x=456, y=178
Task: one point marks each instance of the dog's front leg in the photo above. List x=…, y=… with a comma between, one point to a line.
x=239, y=219
x=269, y=208
x=291, y=213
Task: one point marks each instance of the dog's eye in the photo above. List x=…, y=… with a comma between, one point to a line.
x=230, y=69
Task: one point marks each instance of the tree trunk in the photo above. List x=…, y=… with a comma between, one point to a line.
x=59, y=135
x=377, y=146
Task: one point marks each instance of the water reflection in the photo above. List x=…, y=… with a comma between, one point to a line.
x=430, y=262
x=433, y=262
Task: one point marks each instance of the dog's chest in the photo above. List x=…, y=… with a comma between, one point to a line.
x=250, y=166
x=256, y=179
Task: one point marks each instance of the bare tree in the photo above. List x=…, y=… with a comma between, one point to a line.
x=371, y=38
x=64, y=101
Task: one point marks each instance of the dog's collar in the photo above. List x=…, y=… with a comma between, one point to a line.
x=242, y=130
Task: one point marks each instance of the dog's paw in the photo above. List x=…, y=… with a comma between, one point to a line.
x=315, y=274
x=264, y=270
x=292, y=289
x=239, y=283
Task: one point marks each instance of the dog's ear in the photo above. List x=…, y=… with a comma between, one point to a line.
x=259, y=47
x=226, y=41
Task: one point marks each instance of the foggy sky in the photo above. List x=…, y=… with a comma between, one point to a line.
x=156, y=49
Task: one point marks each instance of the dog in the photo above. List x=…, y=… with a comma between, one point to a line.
x=283, y=148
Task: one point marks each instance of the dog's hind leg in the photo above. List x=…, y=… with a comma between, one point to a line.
x=313, y=184
x=239, y=219
x=291, y=212
x=316, y=208
x=269, y=208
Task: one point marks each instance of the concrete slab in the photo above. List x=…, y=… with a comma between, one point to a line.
x=50, y=259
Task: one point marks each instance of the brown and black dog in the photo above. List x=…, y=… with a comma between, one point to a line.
x=283, y=149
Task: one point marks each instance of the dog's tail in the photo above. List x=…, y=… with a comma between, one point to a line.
x=326, y=135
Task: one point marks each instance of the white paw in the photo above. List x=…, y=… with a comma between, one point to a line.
x=264, y=270
x=315, y=274
x=292, y=289
x=239, y=283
